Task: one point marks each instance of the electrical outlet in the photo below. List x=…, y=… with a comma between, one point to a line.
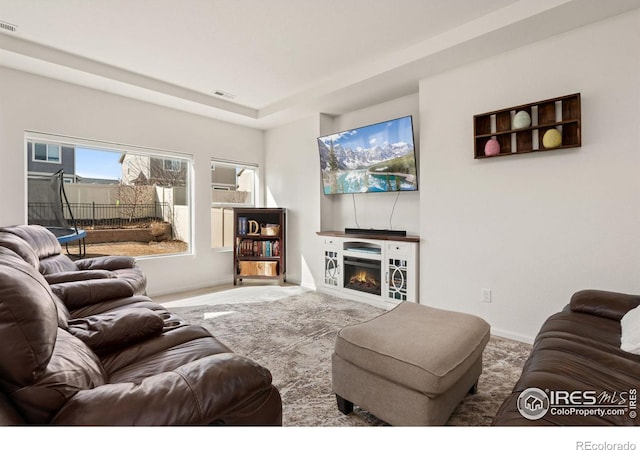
x=485, y=295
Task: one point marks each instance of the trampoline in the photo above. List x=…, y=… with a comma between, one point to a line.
x=68, y=235
x=47, y=202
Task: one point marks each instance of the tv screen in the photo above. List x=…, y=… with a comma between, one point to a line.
x=374, y=158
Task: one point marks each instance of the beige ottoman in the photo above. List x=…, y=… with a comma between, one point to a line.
x=409, y=366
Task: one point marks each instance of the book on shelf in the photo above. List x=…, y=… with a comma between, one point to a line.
x=258, y=248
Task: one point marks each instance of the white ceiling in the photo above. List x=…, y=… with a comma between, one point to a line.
x=280, y=58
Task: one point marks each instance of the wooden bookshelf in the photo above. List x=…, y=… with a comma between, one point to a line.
x=259, y=244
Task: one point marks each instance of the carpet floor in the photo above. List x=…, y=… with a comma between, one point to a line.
x=294, y=337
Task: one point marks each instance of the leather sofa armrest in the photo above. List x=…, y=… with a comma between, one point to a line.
x=611, y=305
x=80, y=275
x=77, y=294
x=107, y=332
x=198, y=393
x=106, y=263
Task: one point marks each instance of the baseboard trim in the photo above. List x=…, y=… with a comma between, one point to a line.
x=310, y=286
x=511, y=335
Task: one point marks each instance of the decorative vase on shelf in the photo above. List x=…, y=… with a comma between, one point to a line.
x=552, y=139
x=492, y=147
x=522, y=119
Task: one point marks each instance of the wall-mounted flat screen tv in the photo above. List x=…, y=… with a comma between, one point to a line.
x=374, y=158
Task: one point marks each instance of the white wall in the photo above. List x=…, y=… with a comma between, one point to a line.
x=33, y=103
x=533, y=228
x=292, y=168
x=376, y=210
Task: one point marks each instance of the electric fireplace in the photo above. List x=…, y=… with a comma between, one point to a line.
x=363, y=274
x=380, y=271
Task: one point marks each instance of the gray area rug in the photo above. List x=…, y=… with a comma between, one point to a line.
x=294, y=337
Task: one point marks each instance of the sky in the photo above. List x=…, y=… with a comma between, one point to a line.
x=92, y=163
x=391, y=131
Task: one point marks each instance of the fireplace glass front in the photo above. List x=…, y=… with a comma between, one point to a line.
x=363, y=274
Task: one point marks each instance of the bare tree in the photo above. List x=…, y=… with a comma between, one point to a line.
x=132, y=198
x=135, y=188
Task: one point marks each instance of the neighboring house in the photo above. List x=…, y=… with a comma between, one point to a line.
x=224, y=177
x=153, y=170
x=45, y=159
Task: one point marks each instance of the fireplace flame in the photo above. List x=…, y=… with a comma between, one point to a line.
x=363, y=278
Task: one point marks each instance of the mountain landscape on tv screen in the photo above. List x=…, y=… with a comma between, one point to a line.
x=349, y=165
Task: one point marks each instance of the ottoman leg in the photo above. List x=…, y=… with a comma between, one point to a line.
x=344, y=405
x=474, y=389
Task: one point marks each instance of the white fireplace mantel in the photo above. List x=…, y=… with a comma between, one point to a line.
x=393, y=260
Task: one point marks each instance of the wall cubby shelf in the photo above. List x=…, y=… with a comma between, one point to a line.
x=560, y=113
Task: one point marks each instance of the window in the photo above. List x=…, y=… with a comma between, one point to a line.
x=118, y=188
x=47, y=152
x=232, y=185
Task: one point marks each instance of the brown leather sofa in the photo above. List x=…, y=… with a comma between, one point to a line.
x=87, y=286
x=45, y=254
x=98, y=353
x=578, y=368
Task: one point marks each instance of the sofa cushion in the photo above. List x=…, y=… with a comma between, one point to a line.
x=166, y=352
x=56, y=263
x=79, y=275
x=28, y=321
x=19, y=246
x=46, y=247
x=43, y=242
x=135, y=277
x=630, y=331
x=77, y=294
x=610, y=305
x=73, y=367
x=215, y=389
x=116, y=304
x=41, y=365
x=111, y=262
x=106, y=332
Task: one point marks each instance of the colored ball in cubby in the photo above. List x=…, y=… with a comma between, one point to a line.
x=522, y=119
x=492, y=147
x=552, y=138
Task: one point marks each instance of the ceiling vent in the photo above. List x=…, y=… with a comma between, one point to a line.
x=223, y=94
x=6, y=26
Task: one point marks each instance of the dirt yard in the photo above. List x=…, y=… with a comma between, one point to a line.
x=134, y=248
